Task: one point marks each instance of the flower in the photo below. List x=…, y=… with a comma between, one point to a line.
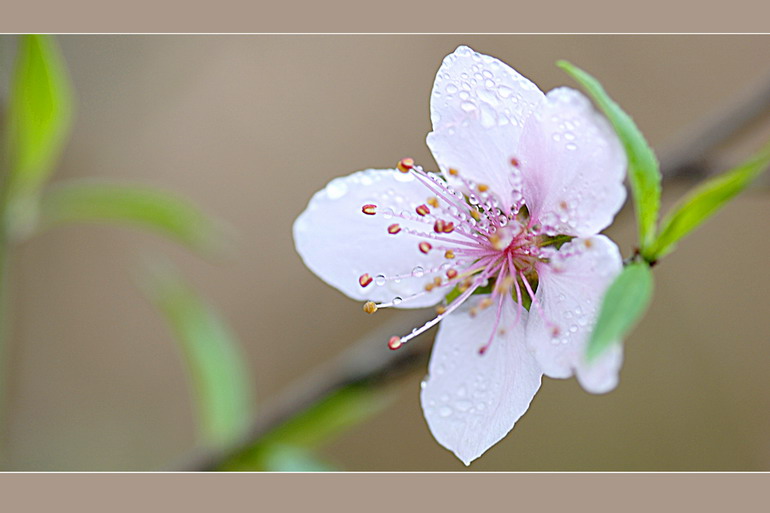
x=504, y=239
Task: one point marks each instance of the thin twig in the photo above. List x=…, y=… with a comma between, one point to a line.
x=369, y=362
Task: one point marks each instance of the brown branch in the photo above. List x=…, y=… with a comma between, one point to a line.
x=369, y=362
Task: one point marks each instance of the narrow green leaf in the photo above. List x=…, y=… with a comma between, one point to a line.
x=101, y=201
x=624, y=303
x=39, y=114
x=643, y=169
x=316, y=425
x=286, y=458
x=221, y=382
x=705, y=200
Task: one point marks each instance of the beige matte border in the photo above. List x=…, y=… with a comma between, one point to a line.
x=384, y=16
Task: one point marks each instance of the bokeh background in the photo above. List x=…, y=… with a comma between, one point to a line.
x=250, y=127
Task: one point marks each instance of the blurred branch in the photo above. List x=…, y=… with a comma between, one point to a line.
x=687, y=156
x=368, y=362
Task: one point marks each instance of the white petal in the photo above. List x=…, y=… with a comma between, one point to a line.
x=572, y=165
x=570, y=291
x=478, y=108
x=339, y=243
x=471, y=401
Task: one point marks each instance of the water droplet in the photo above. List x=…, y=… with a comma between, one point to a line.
x=445, y=411
x=571, y=146
x=397, y=300
x=451, y=88
x=380, y=279
x=418, y=272
x=468, y=106
x=337, y=188
x=463, y=405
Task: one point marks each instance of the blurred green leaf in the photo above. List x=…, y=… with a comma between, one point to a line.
x=101, y=201
x=624, y=303
x=643, y=170
x=704, y=201
x=39, y=114
x=314, y=426
x=286, y=458
x=221, y=381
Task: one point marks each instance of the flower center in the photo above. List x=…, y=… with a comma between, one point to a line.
x=486, y=248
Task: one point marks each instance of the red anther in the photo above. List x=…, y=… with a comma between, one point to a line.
x=515, y=162
x=422, y=210
x=405, y=165
x=364, y=280
x=451, y=273
x=449, y=227
x=394, y=343
x=483, y=349
x=369, y=209
x=394, y=229
x=438, y=227
x=424, y=247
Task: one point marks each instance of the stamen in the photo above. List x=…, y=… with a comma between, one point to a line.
x=405, y=165
x=364, y=280
x=370, y=307
x=369, y=209
x=394, y=229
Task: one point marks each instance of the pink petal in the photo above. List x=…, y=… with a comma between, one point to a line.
x=569, y=292
x=339, y=243
x=478, y=108
x=472, y=401
x=572, y=165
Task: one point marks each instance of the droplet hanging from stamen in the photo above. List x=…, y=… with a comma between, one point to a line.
x=364, y=280
x=369, y=209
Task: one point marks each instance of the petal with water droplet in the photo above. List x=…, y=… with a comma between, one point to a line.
x=471, y=401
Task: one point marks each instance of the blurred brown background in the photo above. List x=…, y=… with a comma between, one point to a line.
x=250, y=127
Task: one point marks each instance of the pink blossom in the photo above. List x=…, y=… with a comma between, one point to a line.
x=527, y=181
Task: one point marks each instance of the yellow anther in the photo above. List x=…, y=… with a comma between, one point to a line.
x=405, y=165
x=449, y=254
x=485, y=303
x=429, y=287
x=453, y=172
x=475, y=214
x=370, y=307
x=437, y=281
x=474, y=311
x=433, y=201
x=440, y=309
x=483, y=187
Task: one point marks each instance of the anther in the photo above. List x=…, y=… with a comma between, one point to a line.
x=451, y=274
x=515, y=162
x=440, y=309
x=394, y=343
x=453, y=172
x=429, y=287
x=370, y=307
x=364, y=280
x=449, y=227
x=475, y=214
x=483, y=187
x=438, y=226
x=394, y=229
x=369, y=209
x=437, y=281
x=433, y=201
x=405, y=165
x=424, y=247
x=422, y=210
x=449, y=254
x=485, y=303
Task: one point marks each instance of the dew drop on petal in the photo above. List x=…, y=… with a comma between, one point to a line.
x=380, y=279
x=445, y=411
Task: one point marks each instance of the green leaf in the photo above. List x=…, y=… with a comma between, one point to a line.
x=705, y=200
x=286, y=458
x=146, y=207
x=221, y=382
x=39, y=114
x=624, y=303
x=643, y=169
x=316, y=425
